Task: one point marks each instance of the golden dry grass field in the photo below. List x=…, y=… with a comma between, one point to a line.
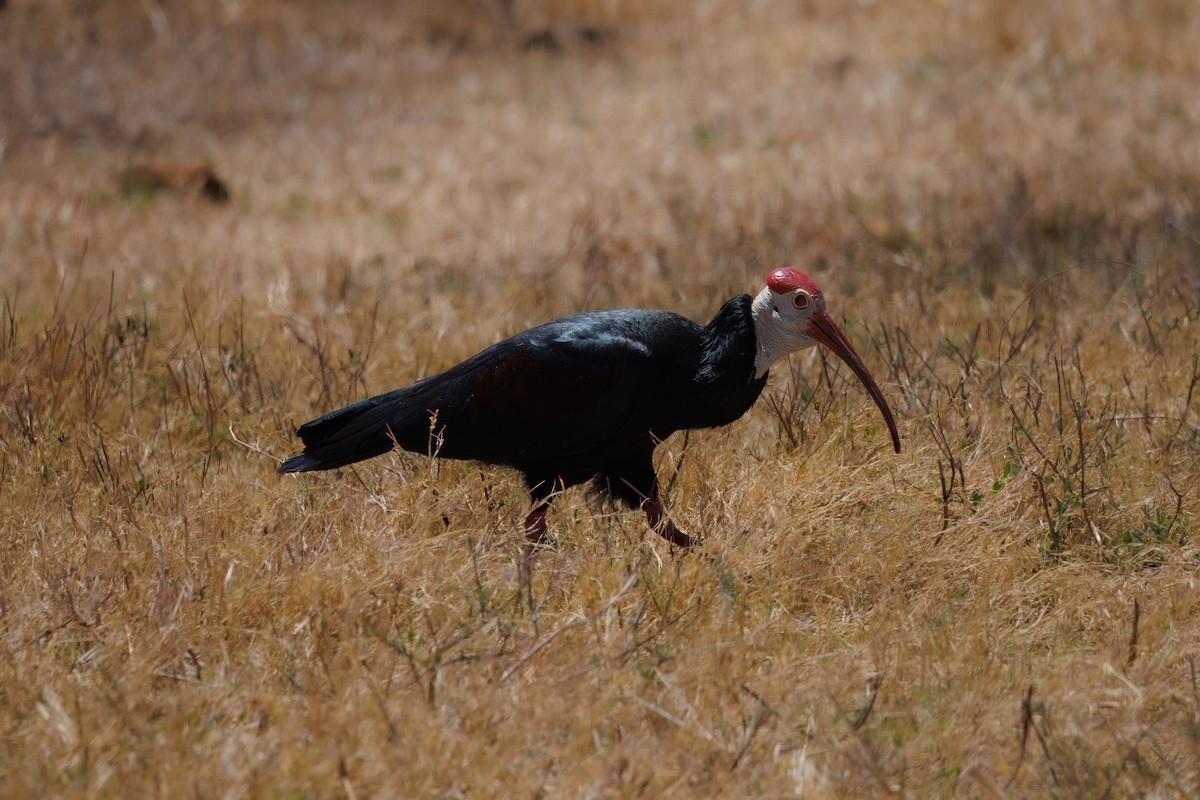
x=1001, y=201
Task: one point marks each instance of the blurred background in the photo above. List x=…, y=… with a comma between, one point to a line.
x=572, y=143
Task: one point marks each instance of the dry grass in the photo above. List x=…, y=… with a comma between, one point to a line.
x=1000, y=201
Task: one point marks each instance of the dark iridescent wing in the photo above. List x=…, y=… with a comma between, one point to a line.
x=568, y=387
x=558, y=389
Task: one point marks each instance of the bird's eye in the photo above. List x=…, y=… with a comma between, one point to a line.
x=800, y=300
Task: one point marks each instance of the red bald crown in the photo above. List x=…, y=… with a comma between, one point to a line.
x=784, y=280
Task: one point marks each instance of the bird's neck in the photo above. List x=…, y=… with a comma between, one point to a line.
x=728, y=350
x=772, y=344
x=723, y=386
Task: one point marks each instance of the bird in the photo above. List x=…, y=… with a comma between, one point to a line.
x=588, y=397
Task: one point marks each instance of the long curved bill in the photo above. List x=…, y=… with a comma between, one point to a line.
x=822, y=328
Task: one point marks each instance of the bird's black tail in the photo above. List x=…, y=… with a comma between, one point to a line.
x=357, y=432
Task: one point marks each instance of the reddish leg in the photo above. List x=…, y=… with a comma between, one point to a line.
x=656, y=516
x=535, y=524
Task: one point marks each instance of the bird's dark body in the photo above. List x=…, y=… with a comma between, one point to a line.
x=585, y=397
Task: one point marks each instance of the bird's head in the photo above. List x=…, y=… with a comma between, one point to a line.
x=789, y=315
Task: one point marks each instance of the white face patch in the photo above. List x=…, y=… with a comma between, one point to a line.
x=779, y=327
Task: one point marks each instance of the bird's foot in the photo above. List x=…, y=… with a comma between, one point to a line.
x=674, y=535
x=657, y=519
x=535, y=526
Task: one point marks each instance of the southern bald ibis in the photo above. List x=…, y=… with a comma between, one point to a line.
x=589, y=396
